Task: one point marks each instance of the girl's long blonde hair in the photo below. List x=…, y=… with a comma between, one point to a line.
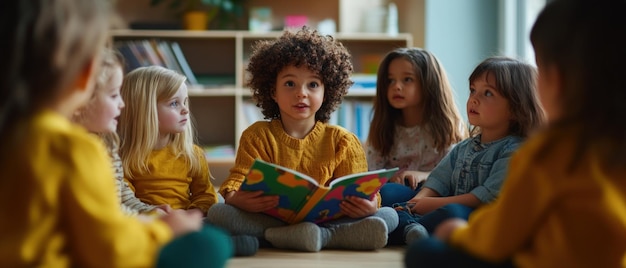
x=142, y=89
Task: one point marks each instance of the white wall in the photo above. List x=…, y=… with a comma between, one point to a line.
x=461, y=33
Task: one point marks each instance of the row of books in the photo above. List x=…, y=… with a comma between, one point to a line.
x=353, y=115
x=146, y=52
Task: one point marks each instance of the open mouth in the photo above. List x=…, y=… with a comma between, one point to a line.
x=301, y=105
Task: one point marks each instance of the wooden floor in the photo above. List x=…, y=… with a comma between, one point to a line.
x=387, y=257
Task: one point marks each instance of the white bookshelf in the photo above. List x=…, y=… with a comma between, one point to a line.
x=219, y=110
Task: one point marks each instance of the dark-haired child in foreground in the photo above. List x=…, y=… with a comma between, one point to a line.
x=564, y=200
x=298, y=80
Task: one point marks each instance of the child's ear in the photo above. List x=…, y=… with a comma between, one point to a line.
x=85, y=79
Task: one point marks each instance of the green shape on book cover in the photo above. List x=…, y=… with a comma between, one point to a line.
x=301, y=198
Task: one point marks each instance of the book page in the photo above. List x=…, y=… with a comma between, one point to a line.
x=364, y=185
x=383, y=173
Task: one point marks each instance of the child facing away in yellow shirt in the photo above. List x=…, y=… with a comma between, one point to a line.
x=563, y=203
x=57, y=198
x=298, y=80
x=160, y=158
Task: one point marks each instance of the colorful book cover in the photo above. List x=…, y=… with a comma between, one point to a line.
x=300, y=196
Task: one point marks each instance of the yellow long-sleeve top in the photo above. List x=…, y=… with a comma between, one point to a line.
x=326, y=153
x=169, y=182
x=58, y=204
x=131, y=205
x=547, y=217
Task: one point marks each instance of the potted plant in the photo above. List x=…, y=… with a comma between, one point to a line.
x=197, y=14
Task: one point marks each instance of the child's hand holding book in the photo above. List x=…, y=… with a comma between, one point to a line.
x=357, y=207
x=251, y=201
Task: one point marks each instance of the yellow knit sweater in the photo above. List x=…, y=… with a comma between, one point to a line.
x=169, y=182
x=326, y=153
x=58, y=204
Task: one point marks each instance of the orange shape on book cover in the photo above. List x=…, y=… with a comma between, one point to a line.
x=285, y=213
x=255, y=176
x=369, y=185
x=290, y=180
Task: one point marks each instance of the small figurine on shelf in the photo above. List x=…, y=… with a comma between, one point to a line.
x=198, y=14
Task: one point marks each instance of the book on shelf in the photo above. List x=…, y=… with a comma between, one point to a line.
x=301, y=198
x=130, y=61
x=364, y=81
x=146, y=52
x=363, y=113
x=216, y=80
x=182, y=62
x=165, y=51
x=355, y=116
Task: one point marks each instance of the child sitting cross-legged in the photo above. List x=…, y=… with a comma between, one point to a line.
x=504, y=109
x=298, y=80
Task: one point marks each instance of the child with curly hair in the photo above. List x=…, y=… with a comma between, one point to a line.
x=415, y=123
x=563, y=202
x=298, y=80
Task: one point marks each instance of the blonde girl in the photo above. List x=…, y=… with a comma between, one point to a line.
x=415, y=120
x=159, y=155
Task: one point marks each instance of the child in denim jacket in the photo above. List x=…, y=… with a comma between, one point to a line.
x=503, y=108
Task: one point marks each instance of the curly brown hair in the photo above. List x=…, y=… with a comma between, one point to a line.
x=322, y=54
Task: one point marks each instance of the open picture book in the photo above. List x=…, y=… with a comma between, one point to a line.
x=301, y=198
